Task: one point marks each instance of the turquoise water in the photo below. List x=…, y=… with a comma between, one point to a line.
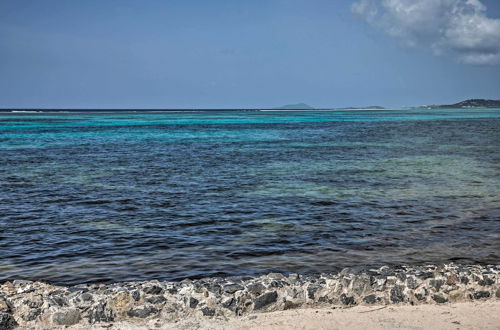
x=89, y=197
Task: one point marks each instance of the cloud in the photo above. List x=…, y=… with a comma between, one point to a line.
x=459, y=28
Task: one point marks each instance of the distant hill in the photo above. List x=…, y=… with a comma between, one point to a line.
x=471, y=103
x=298, y=106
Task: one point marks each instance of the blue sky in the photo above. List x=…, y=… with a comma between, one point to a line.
x=253, y=53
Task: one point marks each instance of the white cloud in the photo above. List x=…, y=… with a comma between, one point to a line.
x=457, y=27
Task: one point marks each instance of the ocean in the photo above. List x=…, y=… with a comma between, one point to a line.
x=120, y=196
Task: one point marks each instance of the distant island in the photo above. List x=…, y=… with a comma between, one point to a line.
x=297, y=106
x=304, y=106
x=471, y=103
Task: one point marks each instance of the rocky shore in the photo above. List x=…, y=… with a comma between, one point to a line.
x=41, y=305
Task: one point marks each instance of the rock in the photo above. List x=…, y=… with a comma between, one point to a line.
x=419, y=296
x=401, y=277
x=370, y=299
x=232, y=288
x=397, y=295
x=437, y=284
x=21, y=282
x=411, y=282
x=208, y=311
x=121, y=300
x=360, y=284
x=452, y=280
x=7, y=322
x=275, y=276
x=265, y=300
x=87, y=297
x=156, y=300
x=426, y=275
x=67, y=317
x=28, y=314
x=155, y=289
x=256, y=288
x=229, y=304
x=291, y=305
x=347, y=300
x=498, y=293
x=100, y=313
x=136, y=295
x=311, y=290
x=4, y=306
x=480, y=295
x=143, y=312
x=58, y=301
x=486, y=281
x=193, y=302
x=439, y=299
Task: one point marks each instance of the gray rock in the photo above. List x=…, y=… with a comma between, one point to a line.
x=229, y=304
x=312, y=289
x=58, y=301
x=439, y=299
x=419, y=296
x=100, y=313
x=480, y=295
x=275, y=276
x=155, y=289
x=411, y=282
x=208, y=311
x=397, y=295
x=486, y=281
x=86, y=297
x=360, y=284
x=256, y=288
x=232, y=288
x=265, y=300
x=371, y=299
x=156, y=300
x=67, y=317
x=426, y=275
x=347, y=300
x=193, y=302
x=437, y=284
x=143, y=311
x=498, y=293
x=136, y=295
x=31, y=314
x=7, y=322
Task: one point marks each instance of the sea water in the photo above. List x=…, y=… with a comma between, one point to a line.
x=119, y=196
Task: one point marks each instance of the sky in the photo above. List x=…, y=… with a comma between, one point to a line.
x=247, y=53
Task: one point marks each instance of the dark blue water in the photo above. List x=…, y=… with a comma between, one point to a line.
x=132, y=196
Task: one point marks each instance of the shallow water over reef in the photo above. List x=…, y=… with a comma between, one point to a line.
x=88, y=197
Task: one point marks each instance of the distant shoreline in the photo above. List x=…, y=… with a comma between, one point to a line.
x=48, y=111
